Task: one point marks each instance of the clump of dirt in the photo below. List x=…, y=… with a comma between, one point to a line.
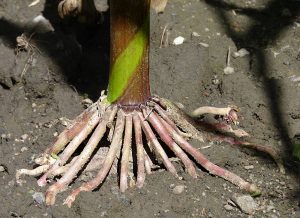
x=68, y=62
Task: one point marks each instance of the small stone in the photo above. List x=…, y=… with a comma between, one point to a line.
x=33, y=105
x=228, y=207
x=24, y=149
x=215, y=80
x=24, y=136
x=178, y=189
x=245, y=202
x=249, y=167
x=103, y=213
x=178, y=40
x=205, y=45
x=2, y=169
x=195, y=34
x=228, y=70
x=241, y=53
x=38, y=197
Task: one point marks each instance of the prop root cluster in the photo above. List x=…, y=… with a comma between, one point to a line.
x=160, y=122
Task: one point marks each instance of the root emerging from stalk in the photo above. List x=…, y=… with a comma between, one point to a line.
x=159, y=121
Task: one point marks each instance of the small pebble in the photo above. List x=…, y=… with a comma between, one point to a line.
x=205, y=45
x=178, y=189
x=241, y=53
x=228, y=207
x=38, y=197
x=24, y=136
x=249, y=167
x=178, y=40
x=2, y=169
x=245, y=202
x=215, y=80
x=24, y=149
x=228, y=70
x=195, y=34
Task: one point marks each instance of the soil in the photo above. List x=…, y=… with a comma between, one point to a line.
x=67, y=62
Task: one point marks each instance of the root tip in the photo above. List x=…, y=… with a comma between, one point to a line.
x=255, y=192
x=42, y=182
x=69, y=201
x=50, y=198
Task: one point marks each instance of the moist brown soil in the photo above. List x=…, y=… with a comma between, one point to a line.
x=68, y=62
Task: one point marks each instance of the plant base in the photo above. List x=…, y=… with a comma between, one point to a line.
x=163, y=125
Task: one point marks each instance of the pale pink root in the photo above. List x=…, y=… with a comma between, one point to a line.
x=94, y=164
x=222, y=127
x=262, y=148
x=34, y=172
x=243, y=143
x=140, y=152
x=71, y=148
x=209, y=166
x=111, y=155
x=162, y=113
x=154, y=142
x=228, y=112
x=126, y=153
x=268, y=150
x=184, y=122
x=167, y=139
x=84, y=156
x=69, y=133
x=148, y=163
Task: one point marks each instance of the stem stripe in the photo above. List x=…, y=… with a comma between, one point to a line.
x=127, y=63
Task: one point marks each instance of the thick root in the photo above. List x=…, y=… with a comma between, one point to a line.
x=157, y=118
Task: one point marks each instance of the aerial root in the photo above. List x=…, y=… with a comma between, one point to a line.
x=140, y=153
x=167, y=139
x=70, y=132
x=237, y=137
x=71, y=148
x=209, y=166
x=83, y=158
x=159, y=121
x=113, y=150
x=153, y=141
x=125, y=154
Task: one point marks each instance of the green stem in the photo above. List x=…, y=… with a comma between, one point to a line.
x=129, y=73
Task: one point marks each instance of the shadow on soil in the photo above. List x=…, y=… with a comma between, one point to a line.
x=84, y=53
x=269, y=23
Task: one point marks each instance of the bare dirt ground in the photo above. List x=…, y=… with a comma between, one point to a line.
x=68, y=63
